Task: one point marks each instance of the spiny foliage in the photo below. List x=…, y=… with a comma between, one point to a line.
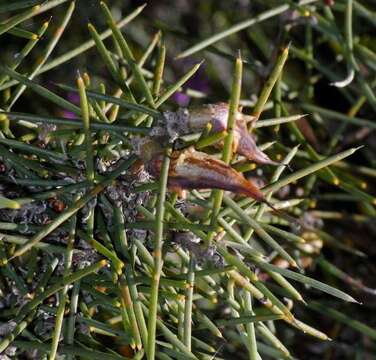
x=132, y=227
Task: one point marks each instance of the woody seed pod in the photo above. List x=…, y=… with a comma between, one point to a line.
x=192, y=169
x=185, y=121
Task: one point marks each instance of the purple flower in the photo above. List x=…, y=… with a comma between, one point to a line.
x=68, y=114
x=181, y=99
x=198, y=81
x=73, y=98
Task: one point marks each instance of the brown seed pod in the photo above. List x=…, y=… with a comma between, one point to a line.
x=245, y=144
x=215, y=114
x=190, y=169
x=185, y=121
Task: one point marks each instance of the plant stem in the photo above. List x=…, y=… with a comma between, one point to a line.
x=157, y=256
